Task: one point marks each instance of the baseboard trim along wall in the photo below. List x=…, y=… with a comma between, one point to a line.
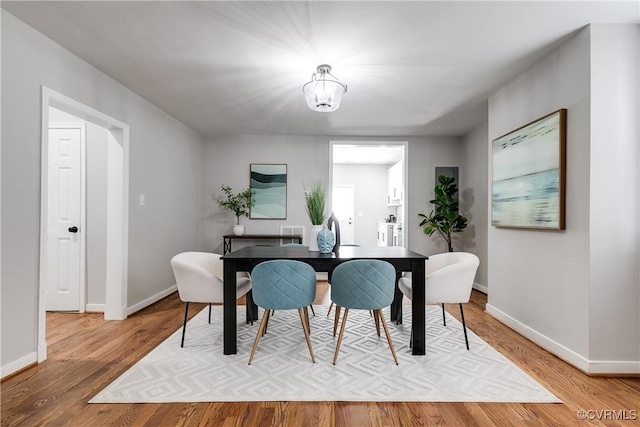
x=481, y=288
x=32, y=358
x=147, y=302
x=17, y=365
x=94, y=308
x=590, y=367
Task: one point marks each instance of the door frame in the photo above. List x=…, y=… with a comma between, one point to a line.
x=117, y=207
x=83, y=206
x=405, y=171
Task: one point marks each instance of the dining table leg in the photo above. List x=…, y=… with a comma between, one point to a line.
x=396, y=305
x=418, y=307
x=229, y=307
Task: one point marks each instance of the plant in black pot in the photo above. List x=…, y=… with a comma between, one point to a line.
x=444, y=218
x=239, y=203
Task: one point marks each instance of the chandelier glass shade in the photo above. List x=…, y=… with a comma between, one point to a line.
x=324, y=92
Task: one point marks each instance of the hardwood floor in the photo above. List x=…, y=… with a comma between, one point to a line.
x=87, y=353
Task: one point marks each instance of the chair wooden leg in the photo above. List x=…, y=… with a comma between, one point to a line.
x=306, y=319
x=386, y=331
x=444, y=319
x=312, y=310
x=305, y=325
x=336, y=320
x=267, y=313
x=344, y=322
x=184, y=324
x=376, y=319
x=464, y=327
x=329, y=311
x=263, y=325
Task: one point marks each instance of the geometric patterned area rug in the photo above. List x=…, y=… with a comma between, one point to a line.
x=282, y=369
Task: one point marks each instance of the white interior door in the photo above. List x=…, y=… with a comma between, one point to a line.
x=343, y=208
x=65, y=257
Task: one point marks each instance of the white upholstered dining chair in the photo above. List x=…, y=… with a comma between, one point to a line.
x=199, y=279
x=449, y=280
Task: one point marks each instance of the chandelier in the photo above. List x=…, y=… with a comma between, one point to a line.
x=324, y=92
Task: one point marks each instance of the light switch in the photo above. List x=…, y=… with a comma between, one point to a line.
x=360, y=213
x=142, y=200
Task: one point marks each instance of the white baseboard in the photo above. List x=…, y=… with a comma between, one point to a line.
x=16, y=365
x=481, y=288
x=605, y=367
x=601, y=367
x=40, y=355
x=157, y=297
x=94, y=308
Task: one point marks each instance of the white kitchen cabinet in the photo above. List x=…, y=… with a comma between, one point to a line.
x=385, y=234
x=395, y=185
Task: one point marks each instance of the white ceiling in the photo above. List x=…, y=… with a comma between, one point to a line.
x=412, y=68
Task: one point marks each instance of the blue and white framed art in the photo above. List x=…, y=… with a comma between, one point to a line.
x=269, y=185
x=528, y=185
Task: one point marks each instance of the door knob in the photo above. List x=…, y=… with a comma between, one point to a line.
x=73, y=229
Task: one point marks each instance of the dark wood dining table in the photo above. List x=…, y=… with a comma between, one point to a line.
x=402, y=259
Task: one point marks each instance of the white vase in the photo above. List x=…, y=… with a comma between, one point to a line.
x=313, y=238
x=238, y=230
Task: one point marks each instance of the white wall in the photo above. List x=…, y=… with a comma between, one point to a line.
x=226, y=160
x=164, y=164
x=614, y=234
x=568, y=289
x=473, y=198
x=423, y=157
x=370, y=184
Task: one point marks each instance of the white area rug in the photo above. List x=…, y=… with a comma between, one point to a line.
x=282, y=369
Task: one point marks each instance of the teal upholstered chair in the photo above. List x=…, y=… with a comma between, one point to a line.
x=364, y=285
x=329, y=281
x=304, y=246
x=283, y=285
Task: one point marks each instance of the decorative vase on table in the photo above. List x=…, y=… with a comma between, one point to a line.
x=332, y=223
x=238, y=230
x=313, y=238
x=325, y=241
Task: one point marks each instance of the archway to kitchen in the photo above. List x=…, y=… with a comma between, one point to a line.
x=373, y=174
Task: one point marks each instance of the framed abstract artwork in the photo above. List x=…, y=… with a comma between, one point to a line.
x=528, y=183
x=269, y=185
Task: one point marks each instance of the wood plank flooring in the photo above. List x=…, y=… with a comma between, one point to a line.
x=87, y=353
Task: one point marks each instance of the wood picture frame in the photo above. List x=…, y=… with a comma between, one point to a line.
x=528, y=175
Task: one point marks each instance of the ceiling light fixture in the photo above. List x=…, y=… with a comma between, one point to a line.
x=324, y=91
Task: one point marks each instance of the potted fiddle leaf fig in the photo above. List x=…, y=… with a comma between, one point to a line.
x=315, y=203
x=239, y=203
x=444, y=218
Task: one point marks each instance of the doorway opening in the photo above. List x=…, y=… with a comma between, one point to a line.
x=376, y=173
x=117, y=207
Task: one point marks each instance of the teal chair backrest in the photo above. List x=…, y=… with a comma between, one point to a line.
x=283, y=284
x=363, y=284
